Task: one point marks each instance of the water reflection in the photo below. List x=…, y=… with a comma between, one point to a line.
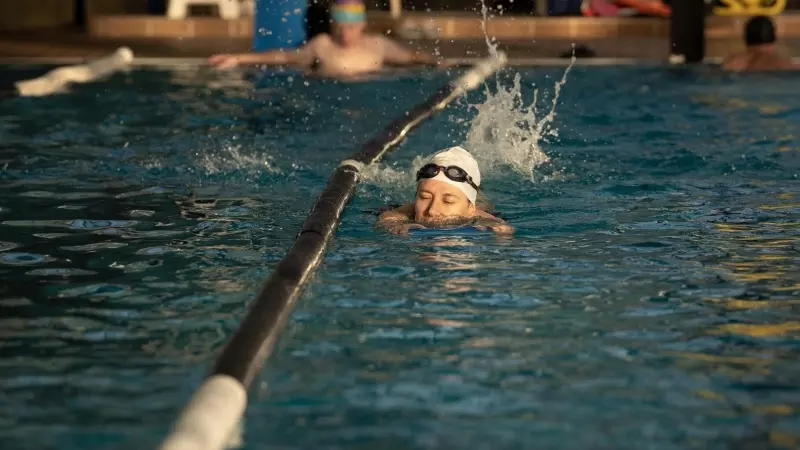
x=452, y=255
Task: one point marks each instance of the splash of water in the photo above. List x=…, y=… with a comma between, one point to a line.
x=231, y=159
x=506, y=130
x=387, y=176
x=223, y=161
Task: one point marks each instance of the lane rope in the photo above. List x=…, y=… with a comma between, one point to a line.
x=210, y=419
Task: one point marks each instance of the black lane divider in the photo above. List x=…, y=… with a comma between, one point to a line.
x=211, y=416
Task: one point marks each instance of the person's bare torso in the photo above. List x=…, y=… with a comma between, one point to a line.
x=331, y=59
x=750, y=61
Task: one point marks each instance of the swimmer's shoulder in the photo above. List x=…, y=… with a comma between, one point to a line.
x=485, y=215
x=781, y=62
x=322, y=40
x=756, y=62
x=402, y=213
x=736, y=62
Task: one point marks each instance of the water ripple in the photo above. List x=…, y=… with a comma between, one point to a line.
x=24, y=259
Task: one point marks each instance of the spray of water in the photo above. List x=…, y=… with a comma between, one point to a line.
x=484, y=26
x=506, y=130
x=223, y=161
x=231, y=159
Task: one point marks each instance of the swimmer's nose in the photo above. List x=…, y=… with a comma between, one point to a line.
x=435, y=210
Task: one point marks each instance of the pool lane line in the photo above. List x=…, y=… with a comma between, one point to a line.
x=58, y=79
x=211, y=417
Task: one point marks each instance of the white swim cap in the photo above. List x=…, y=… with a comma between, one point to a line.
x=457, y=156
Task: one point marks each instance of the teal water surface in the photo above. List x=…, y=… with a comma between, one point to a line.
x=648, y=300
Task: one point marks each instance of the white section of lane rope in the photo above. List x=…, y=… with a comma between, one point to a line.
x=57, y=79
x=210, y=421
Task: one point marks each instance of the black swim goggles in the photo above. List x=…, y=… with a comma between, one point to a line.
x=454, y=173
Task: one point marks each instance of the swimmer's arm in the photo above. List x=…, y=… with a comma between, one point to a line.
x=734, y=63
x=398, y=220
x=397, y=215
x=275, y=57
x=494, y=223
x=304, y=56
x=485, y=215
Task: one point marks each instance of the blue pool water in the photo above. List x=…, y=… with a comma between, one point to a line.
x=648, y=300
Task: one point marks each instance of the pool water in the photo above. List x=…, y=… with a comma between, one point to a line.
x=649, y=298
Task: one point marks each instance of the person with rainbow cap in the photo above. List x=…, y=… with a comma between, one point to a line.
x=448, y=189
x=348, y=51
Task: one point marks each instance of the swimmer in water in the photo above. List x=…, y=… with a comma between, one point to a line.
x=447, y=195
x=762, y=53
x=348, y=52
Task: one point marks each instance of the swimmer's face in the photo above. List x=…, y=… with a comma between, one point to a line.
x=438, y=201
x=348, y=33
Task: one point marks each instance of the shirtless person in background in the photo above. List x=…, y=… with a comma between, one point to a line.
x=761, y=54
x=348, y=52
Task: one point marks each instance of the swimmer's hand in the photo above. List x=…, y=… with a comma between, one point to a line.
x=487, y=221
x=224, y=61
x=499, y=228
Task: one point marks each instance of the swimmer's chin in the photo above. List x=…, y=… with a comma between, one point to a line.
x=446, y=222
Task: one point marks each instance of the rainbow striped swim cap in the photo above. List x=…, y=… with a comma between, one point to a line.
x=349, y=11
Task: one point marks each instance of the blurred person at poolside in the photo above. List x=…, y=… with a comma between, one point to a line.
x=447, y=195
x=348, y=51
x=762, y=53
